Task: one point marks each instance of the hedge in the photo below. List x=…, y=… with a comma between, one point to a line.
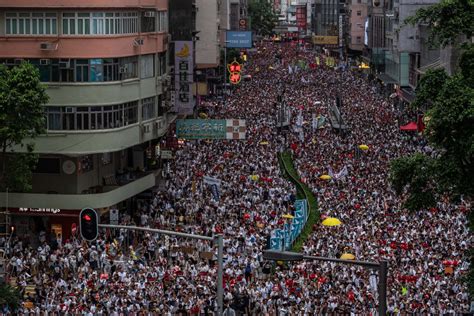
x=303, y=192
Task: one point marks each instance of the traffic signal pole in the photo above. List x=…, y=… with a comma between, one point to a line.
x=381, y=266
x=218, y=239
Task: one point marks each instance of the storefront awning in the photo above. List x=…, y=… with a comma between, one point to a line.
x=386, y=79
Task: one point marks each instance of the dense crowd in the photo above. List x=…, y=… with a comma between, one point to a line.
x=125, y=273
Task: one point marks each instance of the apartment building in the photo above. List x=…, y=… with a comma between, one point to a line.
x=105, y=67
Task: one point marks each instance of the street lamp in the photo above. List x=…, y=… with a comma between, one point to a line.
x=381, y=266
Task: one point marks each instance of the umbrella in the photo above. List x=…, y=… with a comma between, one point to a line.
x=264, y=143
x=203, y=115
x=348, y=256
x=325, y=177
x=331, y=221
x=254, y=177
x=288, y=216
x=364, y=147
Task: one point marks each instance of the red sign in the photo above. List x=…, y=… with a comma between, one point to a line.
x=301, y=17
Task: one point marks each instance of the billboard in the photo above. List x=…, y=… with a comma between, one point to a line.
x=301, y=18
x=239, y=39
x=210, y=129
x=183, y=74
x=325, y=40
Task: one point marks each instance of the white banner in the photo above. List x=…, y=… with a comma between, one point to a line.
x=212, y=181
x=183, y=70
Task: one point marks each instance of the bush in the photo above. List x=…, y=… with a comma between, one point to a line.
x=303, y=192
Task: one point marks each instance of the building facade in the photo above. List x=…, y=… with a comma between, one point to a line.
x=105, y=67
x=357, y=13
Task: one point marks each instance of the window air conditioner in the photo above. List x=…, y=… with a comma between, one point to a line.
x=48, y=46
x=149, y=14
x=44, y=62
x=64, y=64
x=123, y=69
x=138, y=42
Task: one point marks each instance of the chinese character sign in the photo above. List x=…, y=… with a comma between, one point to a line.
x=183, y=69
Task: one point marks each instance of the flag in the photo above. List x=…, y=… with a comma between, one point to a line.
x=317, y=61
x=215, y=192
x=341, y=174
x=330, y=172
x=290, y=70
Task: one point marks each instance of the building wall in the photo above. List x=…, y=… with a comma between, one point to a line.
x=358, y=15
x=207, y=47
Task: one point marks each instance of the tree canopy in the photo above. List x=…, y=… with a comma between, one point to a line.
x=22, y=100
x=446, y=20
x=262, y=17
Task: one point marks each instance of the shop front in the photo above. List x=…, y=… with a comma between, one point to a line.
x=47, y=223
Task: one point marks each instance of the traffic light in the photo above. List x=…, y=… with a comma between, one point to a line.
x=89, y=224
x=235, y=72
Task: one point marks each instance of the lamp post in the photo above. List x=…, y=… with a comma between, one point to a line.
x=217, y=239
x=381, y=266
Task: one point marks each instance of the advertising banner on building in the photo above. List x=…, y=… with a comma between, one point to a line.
x=301, y=17
x=239, y=39
x=183, y=69
x=324, y=40
x=210, y=129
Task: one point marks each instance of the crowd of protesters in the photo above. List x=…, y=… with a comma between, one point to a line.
x=124, y=273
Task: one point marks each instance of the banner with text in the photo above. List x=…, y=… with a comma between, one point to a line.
x=210, y=129
x=183, y=69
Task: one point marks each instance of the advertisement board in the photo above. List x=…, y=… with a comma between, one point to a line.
x=239, y=39
x=183, y=69
x=210, y=129
x=325, y=40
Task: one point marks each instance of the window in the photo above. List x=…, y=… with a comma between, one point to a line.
x=85, y=164
x=359, y=13
x=148, y=108
x=147, y=66
x=99, y=23
x=148, y=23
x=48, y=165
x=71, y=118
x=162, y=21
x=359, y=39
x=30, y=23
x=128, y=67
x=161, y=64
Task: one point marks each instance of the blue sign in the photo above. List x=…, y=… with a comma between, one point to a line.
x=239, y=39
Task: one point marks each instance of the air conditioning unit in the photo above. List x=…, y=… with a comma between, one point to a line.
x=18, y=61
x=48, y=46
x=44, y=62
x=138, y=42
x=64, y=64
x=149, y=14
x=123, y=69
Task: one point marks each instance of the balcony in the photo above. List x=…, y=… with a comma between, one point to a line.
x=114, y=194
x=61, y=4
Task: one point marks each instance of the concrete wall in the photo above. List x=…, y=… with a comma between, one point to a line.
x=357, y=24
x=207, y=47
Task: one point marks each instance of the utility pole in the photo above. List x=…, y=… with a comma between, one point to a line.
x=217, y=239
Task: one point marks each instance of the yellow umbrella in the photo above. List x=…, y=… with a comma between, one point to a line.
x=364, y=147
x=331, y=221
x=203, y=115
x=325, y=177
x=264, y=143
x=348, y=256
x=254, y=177
x=288, y=216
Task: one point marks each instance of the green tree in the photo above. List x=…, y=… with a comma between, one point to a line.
x=9, y=297
x=449, y=118
x=22, y=97
x=447, y=20
x=262, y=17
